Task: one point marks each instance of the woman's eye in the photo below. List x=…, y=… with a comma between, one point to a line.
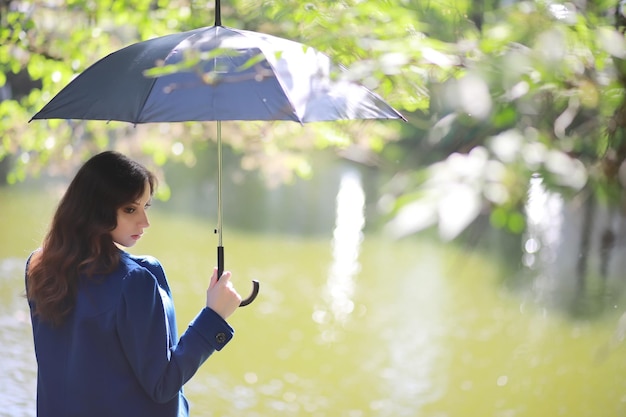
x=129, y=210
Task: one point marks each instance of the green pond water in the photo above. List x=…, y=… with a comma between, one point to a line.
x=346, y=325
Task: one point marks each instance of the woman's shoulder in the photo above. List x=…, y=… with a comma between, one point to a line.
x=136, y=263
x=144, y=261
x=34, y=257
x=143, y=270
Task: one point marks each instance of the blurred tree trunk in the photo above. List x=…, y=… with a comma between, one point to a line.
x=585, y=243
x=480, y=7
x=5, y=168
x=614, y=160
x=478, y=13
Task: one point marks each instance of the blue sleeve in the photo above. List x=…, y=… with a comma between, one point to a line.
x=162, y=368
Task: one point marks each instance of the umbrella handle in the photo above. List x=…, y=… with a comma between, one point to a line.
x=253, y=294
x=220, y=271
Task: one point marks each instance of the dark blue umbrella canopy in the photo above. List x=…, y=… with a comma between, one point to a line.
x=216, y=73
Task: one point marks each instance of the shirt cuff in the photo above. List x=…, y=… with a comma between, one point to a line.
x=212, y=328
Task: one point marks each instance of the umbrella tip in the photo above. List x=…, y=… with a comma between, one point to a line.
x=218, y=13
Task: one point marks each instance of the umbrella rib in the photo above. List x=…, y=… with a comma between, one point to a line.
x=144, y=101
x=278, y=80
x=286, y=92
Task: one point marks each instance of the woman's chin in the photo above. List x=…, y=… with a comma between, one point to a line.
x=125, y=245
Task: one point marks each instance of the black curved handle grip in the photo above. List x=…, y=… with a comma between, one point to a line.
x=220, y=271
x=253, y=294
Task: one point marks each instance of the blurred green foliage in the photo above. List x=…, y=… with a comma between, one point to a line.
x=495, y=92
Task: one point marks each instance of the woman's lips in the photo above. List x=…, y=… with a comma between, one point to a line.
x=136, y=237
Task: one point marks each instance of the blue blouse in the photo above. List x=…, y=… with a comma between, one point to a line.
x=118, y=353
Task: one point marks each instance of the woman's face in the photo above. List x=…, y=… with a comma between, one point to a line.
x=132, y=219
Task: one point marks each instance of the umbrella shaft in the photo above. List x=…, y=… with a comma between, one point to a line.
x=219, y=183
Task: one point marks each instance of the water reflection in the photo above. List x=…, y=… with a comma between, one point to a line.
x=346, y=243
x=17, y=370
x=545, y=219
x=417, y=328
x=409, y=348
x=416, y=323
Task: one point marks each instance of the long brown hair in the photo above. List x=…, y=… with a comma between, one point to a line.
x=79, y=239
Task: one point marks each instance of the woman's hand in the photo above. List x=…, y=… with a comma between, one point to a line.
x=221, y=296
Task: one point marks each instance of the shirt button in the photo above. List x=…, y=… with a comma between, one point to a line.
x=220, y=338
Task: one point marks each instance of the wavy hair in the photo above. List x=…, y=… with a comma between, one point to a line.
x=79, y=240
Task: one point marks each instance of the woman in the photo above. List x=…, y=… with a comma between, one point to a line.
x=103, y=320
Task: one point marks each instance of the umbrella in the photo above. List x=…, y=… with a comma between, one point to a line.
x=216, y=73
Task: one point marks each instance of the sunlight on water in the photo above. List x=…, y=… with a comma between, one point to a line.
x=544, y=217
x=346, y=242
x=414, y=346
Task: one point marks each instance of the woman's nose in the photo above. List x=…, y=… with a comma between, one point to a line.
x=144, y=220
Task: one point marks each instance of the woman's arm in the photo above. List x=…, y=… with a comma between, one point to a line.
x=160, y=367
